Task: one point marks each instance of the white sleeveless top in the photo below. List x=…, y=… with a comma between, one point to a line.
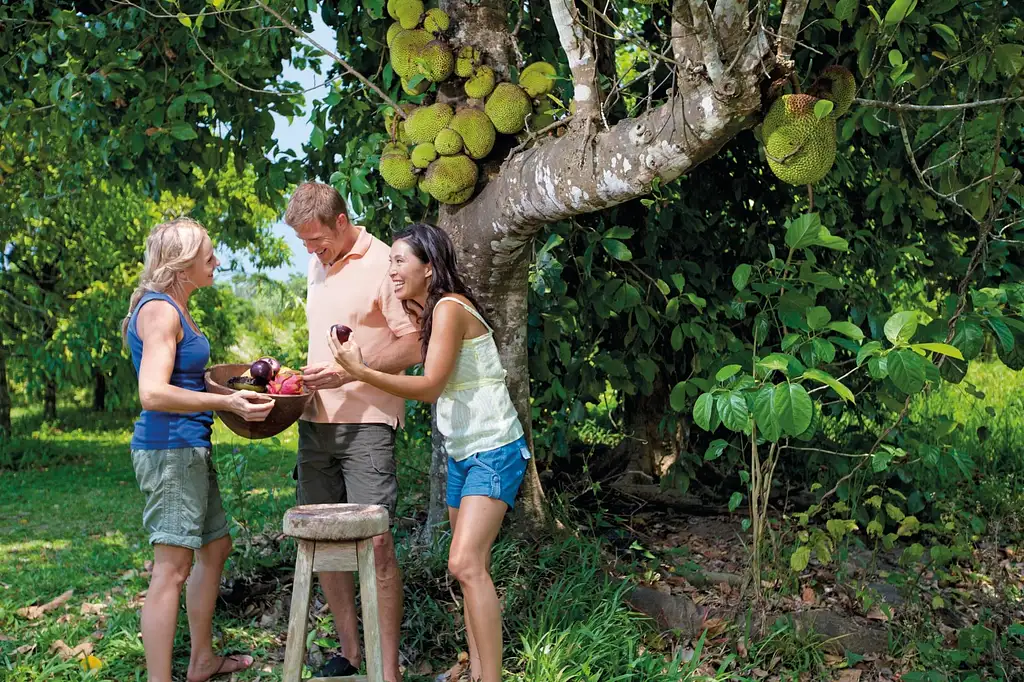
x=474, y=411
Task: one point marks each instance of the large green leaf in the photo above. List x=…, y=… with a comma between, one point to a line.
x=765, y=414
x=848, y=329
x=733, y=410
x=704, y=411
x=616, y=249
x=830, y=381
x=907, y=370
x=899, y=10
x=900, y=328
x=793, y=408
x=740, y=276
x=818, y=317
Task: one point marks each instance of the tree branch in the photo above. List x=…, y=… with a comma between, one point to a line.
x=896, y=106
x=707, y=38
x=579, y=50
x=341, y=62
x=789, y=27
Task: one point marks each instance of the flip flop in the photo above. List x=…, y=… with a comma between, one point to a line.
x=338, y=666
x=234, y=658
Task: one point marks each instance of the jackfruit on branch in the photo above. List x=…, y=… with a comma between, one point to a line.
x=436, y=61
x=397, y=170
x=468, y=59
x=537, y=79
x=405, y=50
x=408, y=12
x=800, y=147
x=477, y=131
x=393, y=30
x=507, y=107
x=436, y=22
x=450, y=179
x=837, y=85
x=424, y=123
x=480, y=83
x=423, y=154
x=448, y=142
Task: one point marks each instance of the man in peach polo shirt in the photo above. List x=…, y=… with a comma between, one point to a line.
x=347, y=434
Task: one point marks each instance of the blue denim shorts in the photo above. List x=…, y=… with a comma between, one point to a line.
x=493, y=473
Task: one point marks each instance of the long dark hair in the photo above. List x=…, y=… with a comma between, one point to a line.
x=432, y=245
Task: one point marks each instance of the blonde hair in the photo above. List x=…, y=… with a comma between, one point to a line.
x=170, y=249
x=315, y=201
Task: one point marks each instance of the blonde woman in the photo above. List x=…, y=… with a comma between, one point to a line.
x=171, y=449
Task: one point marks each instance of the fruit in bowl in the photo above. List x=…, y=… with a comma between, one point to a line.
x=268, y=375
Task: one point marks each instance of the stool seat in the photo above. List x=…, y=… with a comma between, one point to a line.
x=336, y=522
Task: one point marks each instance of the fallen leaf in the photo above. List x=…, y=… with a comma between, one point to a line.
x=98, y=634
x=808, y=595
x=33, y=612
x=5, y=638
x=849, y=675
x=65, y=652
x=65, y=618
x=26, y=649
x=90, y=662
x=128, y=575
x=94, y=609
x=876, y=614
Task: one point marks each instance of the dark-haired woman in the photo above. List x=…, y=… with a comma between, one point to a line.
x=487, y=452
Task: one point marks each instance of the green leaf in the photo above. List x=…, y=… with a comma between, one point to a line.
x=183, y=130
x=1002, y=333
x=908, y=370
x=875, y=529
x=733, y=410
x=740, y=276
x=619, y=232
x=822, y=108
x=617, y=249
x=800, y=558
x=969, y=338
x=895, y=58
x=704, y=410
x=715, y=449
x=830, y=381
x=844, y=10
x=679, y=280
x=893, y=512
x=941, y=348
x=677, y=399
x=848, y=329
x=1009, y=58
x=876, y=15
x=878, y=367
x=947, y=34
x=899, y=10
x=677, y=337
x=734, y=500
x=837, y=528
x=726, y=372
x=316, y=138
x=776, y=361
x=818, y=317
x=662, y=286
x=880, y=459
x=901, y=327
x=793, y=408
x=185, y=20
x=765, y=414
x=803, y=231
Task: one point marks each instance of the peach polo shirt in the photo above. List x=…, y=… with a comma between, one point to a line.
x=357, y=292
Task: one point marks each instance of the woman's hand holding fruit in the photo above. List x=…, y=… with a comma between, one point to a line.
x=347, y=353
x=250, y=406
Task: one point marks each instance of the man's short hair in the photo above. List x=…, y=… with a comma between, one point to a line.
x=314, y=201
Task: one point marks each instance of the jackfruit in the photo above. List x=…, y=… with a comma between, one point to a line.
x=436, y=22
x=469, y=58
x=412, y=90
x=394, y=148
x=837, y=85
x=450, y=179
x=397, y=170
x=395, y=125
x=436, y=61
x=423, y=154
x=425, y=123
x=408, y=12
x=393, y=30
x=391, y=9
x=405, y=50
x=481, y=83
x=800, y=147
x=448, y=142
x=507, y=107
x=537, y=79
x=544, y=114
x=476, y=130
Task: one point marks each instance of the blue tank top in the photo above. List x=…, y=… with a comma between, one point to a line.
x=165, y=430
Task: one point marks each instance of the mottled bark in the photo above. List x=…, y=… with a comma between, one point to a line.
x=579, y=50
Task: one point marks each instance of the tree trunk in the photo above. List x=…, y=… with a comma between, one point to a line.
x=99, y=393
x=5, y=396
x=653, y=448
x=50, y=401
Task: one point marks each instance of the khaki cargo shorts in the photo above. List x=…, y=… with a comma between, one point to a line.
x=353, y=463
x=183, y=503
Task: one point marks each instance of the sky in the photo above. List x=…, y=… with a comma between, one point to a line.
x=291, y=135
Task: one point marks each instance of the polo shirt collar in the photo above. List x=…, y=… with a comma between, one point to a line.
x=358, y=249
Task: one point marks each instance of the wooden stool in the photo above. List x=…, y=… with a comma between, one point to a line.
x=334, y=537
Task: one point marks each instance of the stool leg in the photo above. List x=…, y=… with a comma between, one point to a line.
x=371, y=617
x=295, y=647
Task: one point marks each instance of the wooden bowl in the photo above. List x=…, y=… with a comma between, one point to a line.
x=287, y=408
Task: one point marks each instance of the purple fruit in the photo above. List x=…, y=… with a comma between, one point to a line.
x=275, y=366
x=341, y=331
x=261, y=369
